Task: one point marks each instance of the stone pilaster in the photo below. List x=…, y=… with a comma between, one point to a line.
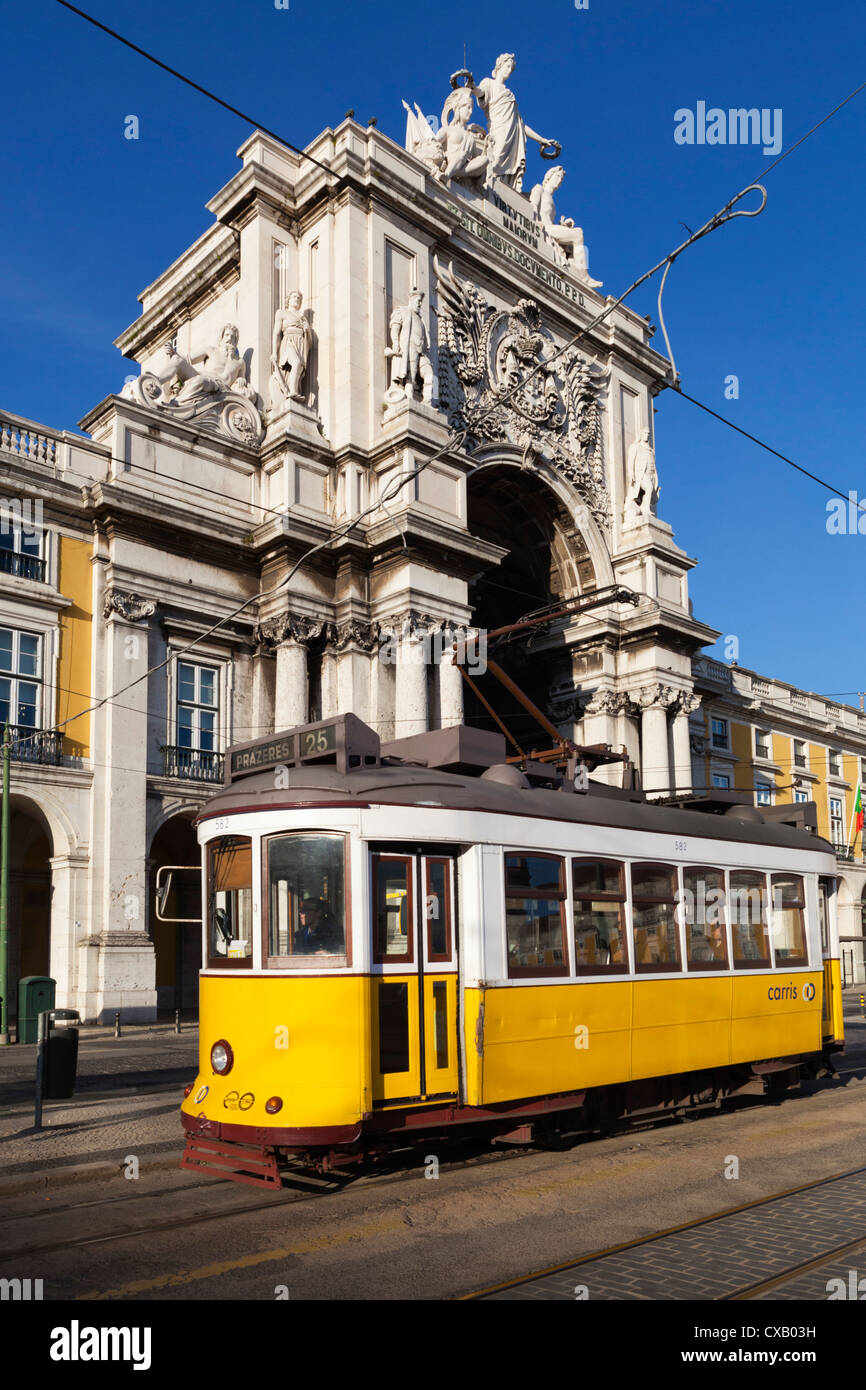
x=120, y=968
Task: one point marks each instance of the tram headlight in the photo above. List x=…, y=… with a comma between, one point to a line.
x=222, y=1059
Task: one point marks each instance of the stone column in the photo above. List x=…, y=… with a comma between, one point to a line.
x=655, y=766
x=682, y=747
x=353, y=645
x=410, y=701
x=450, y=679
x=289, y=635
x=330, y=694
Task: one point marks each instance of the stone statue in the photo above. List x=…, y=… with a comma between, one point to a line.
x=643, y=482
x=423, y=141
x=223, y=370
x=218, y=395
x=566, y=239
x=506, y=141
x=291, y=348
x=464, y=145
x=409, y=353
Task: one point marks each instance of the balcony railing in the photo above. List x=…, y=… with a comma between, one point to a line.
x=843, y=851
x=193, y=764
x=24, y=566
x=36, y=745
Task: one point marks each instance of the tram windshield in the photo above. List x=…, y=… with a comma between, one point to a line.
x=306, y=896
x=230, y=901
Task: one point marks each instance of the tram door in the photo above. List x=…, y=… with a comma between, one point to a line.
x=414, y=1005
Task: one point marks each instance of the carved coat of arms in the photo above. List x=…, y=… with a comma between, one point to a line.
x=501, y=377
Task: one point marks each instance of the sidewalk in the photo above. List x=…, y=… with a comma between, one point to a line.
x=126, y=1103
x=145, y=1054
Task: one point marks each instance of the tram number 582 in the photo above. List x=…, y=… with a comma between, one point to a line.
x=680, y=846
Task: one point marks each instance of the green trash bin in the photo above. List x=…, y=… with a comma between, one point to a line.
x=35, y=997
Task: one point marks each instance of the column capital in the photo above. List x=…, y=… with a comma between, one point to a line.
x=288, y=627
x=657, y=696
x=134, y=608
x=356, y=633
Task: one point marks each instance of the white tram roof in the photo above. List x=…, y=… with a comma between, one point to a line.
x=402, y=784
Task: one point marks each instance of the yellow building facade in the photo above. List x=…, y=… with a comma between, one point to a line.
x=782, y=745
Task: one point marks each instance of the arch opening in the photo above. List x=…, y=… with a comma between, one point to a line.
x=547, y=560
x=177, y=946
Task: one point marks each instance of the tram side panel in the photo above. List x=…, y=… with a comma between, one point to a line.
x=528, y=1039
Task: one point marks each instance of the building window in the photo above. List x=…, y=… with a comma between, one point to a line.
x=837, y=821
x=20, y=684
x=762, y=743
x=801, y=796
x=834, y=762
x=21, y=551
x=764, y=793
x=654, y=909
x=535, y=915
x=197, y=706
x=722, y=781
x=799, y=753
x=194, y=753
x=720, y=737
x=599, y=916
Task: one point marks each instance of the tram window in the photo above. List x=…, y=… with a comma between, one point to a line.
x=437, y=909
x=599, y=916
x=789, y=920
x=306, y=899
x=654, y=907
x=535, y=915
x=230, y=901
x=393, y=917
x=749, y=929
x=704, y=911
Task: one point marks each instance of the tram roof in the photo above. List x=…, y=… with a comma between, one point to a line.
x=399, y=784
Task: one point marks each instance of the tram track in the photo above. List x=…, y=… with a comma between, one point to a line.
x=745, y=1292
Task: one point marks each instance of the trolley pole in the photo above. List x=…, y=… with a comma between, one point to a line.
x=4, y=893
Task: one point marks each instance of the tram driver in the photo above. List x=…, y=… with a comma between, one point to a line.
x=320, y=932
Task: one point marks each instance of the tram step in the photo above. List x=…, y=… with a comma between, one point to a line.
x=240, y=1163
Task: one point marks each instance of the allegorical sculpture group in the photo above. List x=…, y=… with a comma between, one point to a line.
x=500, y=375
x=462, y=150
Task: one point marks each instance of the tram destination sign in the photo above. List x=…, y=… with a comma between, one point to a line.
x=343, y=740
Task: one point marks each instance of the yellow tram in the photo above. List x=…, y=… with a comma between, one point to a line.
x=398, y=946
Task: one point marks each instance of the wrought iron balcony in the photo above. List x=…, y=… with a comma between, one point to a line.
x=843, y=851
x=24, y=566
x=36, y=745
x=193, y=764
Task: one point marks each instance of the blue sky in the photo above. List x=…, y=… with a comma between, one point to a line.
x=90, y=218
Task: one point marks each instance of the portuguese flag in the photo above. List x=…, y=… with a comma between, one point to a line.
x=858, y=813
